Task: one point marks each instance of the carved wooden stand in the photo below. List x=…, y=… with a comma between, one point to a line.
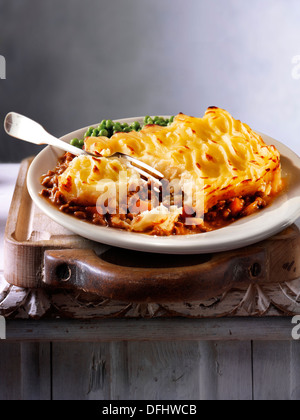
x=53, y=273
x=274, y=300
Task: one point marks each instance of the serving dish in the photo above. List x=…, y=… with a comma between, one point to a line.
x=284, y=211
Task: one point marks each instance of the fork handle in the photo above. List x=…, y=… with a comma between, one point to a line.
x=24, y=128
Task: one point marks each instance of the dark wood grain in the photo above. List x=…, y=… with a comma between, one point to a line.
x=211, y=276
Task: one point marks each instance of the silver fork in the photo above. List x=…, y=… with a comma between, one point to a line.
x=24, y=128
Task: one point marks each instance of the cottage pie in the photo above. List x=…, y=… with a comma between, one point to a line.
x=216, y=170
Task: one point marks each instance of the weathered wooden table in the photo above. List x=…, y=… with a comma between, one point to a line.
x=235, y=346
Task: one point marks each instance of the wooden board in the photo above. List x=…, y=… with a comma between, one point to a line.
x=175, y=370
x=89, y=280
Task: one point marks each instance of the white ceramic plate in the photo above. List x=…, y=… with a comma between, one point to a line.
x=284, y=211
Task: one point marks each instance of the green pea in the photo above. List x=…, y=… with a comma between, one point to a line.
x=118, y=126
x=126, y=129
x=103, y=133
x=74, y=142
x=88, y=133
x=135, y=125
x=109, y=124
x=125, y=125
x=81, y=143
x=146, y=118
x=150, y=121
x=102, y=125
x=95, y=132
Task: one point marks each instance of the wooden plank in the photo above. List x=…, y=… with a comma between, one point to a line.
x=152, y=371
x=90, y=371
x=119, y=371
x=111, y=330
x=10, y=374
x=163, y=370
x=25, y=371
x=276, y=370
x=80, y=371
x=36, y=371
x=225, y=370
x=207, y=370
x=271, y=362
x=295, y=371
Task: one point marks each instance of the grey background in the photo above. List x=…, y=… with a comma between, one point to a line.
x=71, y=63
